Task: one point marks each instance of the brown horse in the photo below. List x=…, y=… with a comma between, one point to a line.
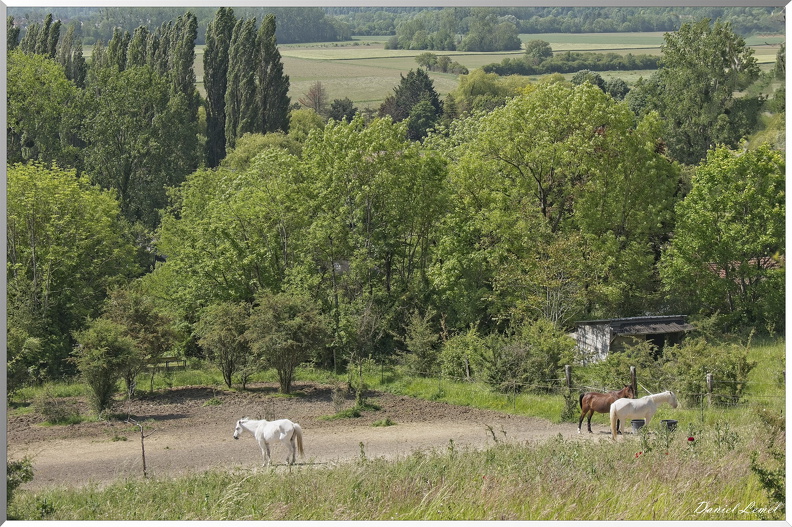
x=600, y=402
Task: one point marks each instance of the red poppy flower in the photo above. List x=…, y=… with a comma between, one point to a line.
x=691, y=439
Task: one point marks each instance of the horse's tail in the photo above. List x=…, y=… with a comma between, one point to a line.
x=580, y=400
x=613, y=421
x=298, y=435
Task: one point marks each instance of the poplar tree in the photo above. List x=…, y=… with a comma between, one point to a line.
x=12, y=34
x=42, y=39
x=218, y=41
x=240, y=98
x=137, y=50
x=181, y=57
x=70, y=56
x=117, y=49
x=272, y=84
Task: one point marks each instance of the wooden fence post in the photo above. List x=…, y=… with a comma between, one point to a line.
x=634, y=381
x=568, y=375
x=709, y=388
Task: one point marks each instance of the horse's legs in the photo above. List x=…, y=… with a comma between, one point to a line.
x=265, y=451
x=291, y=457
x=618, y=422
x=590, y=415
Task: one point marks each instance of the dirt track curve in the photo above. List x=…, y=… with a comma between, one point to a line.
x=185, y=435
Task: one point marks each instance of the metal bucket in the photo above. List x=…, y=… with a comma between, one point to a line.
x=669, y=424
x=637, y=424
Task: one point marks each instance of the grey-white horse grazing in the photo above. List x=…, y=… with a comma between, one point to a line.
x=643, y=408
x=264, y=431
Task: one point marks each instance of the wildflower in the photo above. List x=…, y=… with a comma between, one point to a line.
x=638, y=454
x=691, y=439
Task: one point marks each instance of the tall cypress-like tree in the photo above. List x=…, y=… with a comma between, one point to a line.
x=70, y=56
x=272, y=84
x=12, y=34
x=42, y=39
x=240, y=100
x=218, y=41
x=117, y=49
x=181, y=57
x=137, y=50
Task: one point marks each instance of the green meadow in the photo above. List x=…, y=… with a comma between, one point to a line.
x=364, y=71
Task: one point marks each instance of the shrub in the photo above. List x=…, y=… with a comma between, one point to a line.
x=689, y=363
x=54, y=409
x=532, y=359
x=421, y=340
x=17, y=473
x=614, y=371
x=462, y=356
x=102, y=353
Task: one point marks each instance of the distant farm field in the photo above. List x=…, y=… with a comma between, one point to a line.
x=365, y=72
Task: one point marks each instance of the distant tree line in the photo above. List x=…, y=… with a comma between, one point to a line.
x=303, y=24
x=570, y=62
x=531, y=20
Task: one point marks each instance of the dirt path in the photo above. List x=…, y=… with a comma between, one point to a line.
x=186, y=435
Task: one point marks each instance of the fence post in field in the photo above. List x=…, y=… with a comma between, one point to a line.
x=568, y=375
x=709, y=389
x=634, y=381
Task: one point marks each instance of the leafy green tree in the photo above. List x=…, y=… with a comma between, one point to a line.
x=44, y=109
x=240, y=96
x=589, y=76
x=66, y=246
x=343, y=109
x=148, y=327
x=232, y=232
x=216, y=62
x=102, y=353
x=221, y=329
x=703, y=65
x=537, y=51
x=422, y=119
x=302, y=121
x=543, y=155
x=285, y=329
x=140, y=139
x=726, y=254
x=272, y=84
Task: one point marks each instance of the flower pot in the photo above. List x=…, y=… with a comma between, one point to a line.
x=669, y=424
x=637, y=424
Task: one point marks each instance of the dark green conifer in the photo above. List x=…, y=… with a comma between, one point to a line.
x=272, y=84
x=218, y=41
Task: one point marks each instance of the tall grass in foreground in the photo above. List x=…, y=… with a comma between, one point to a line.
x=637, y=478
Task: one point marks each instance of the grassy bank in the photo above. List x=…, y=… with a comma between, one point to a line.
x=633, y=479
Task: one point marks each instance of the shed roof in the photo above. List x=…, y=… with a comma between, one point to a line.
x=643, y=325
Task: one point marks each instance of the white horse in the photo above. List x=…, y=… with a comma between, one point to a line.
x=643, y=408
x=264, y=431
